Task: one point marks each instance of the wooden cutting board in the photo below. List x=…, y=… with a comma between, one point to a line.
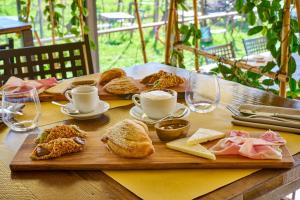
x=57, y=92
x=96, y=156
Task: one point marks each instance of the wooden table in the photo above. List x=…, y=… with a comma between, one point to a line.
x=265, y=184
x=13, y=25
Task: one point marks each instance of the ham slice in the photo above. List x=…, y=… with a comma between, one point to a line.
x=273, y=137
x=252, y=150
x=20, y=85
x=240, y=143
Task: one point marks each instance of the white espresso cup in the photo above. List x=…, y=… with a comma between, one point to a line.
x=156, y=104
x=84, y=98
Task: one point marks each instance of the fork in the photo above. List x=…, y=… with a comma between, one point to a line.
x=236, y=112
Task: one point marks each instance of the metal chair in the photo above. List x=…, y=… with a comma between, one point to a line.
x=9, y=45
x=226, y=51
x=255, y=45
x=61, y=61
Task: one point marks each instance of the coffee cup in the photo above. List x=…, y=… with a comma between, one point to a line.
x=156, y=104
x=84, y=98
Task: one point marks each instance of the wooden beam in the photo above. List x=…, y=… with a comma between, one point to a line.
x=285, y=46
x=91, y=21
x=169, y=32
x=140, y=31
x=239, y=64
x=196, y=27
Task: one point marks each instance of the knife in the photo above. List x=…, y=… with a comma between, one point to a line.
x=253, y=112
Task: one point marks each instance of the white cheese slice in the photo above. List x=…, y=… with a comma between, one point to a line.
x=196, y=150
x=204, y=135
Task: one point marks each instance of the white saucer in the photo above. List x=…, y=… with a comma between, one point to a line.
x=101, y=108
x=137, y=113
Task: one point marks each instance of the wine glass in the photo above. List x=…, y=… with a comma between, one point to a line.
x=202, y=93
x=21, y=108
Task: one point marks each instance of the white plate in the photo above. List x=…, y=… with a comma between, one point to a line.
x=137, y=113
x=101, y=108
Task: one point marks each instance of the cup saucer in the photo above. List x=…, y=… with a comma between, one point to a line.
x=101, y=108
x=138, y=114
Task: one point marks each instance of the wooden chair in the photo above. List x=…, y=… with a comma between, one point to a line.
x=8, y=45
x=61, y=61
x=255, y=45
x=226, y=51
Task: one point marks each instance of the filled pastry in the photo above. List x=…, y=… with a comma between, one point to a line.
x=123, y=85
x=162, y=80
x=130, y=139
x=57, y=147
x=111, y=74
x=62, y=131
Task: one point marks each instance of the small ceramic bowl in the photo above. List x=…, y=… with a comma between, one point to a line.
x=172, y=129
x=83, y=82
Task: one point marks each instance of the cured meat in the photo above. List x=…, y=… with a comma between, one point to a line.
x=20, y=85
x=273, y=137
x=262, y=151
x=267, y=146
x=239, y=133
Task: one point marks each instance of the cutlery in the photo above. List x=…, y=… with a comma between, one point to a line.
x=270, y=116
x=177, y=114
x=66, y=108
x=278, y=115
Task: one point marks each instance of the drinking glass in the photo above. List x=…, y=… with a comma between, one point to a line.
x=202, y=92
x=21, y=108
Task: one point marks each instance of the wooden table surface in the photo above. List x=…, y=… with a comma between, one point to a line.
x=12, y=25
x=265, y=183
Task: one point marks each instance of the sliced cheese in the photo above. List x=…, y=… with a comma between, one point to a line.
x=204, y=135
x=196, y=150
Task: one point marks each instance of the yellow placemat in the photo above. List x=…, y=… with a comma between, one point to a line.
x=51, y=113
x=188, y=184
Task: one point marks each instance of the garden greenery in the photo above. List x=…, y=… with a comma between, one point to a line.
x=265, y=17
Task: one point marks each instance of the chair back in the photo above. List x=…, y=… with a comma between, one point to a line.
x=255, y=45
x=9, y=45
x=226, y=51
x=61, y=61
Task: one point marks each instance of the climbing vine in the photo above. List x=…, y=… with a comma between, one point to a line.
x=266, y=18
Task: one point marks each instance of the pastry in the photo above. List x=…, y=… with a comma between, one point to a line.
x=62, y=131
x=123, y=85
x=111, y=74
x=162, y=80
x=130, y=139
x=57, y=147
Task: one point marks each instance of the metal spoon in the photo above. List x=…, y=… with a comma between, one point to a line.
x=66, y=108
x=177, y=114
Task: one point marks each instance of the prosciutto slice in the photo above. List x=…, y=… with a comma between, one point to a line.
x=20, y=85
x=267, y=146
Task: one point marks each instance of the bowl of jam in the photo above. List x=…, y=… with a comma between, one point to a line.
x=172, y=129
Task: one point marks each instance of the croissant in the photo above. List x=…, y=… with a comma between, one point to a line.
x=62, y=131
x=57, y=148
x=129, y=138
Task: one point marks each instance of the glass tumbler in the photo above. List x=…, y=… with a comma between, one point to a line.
x=202, y=93
x=21, y=108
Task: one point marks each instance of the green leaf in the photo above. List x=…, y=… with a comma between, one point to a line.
x=292, y=66
x=255, y=30
x=183, y=29
x=268, y=82
x=239, y=5
x=292, y=84
x=251, y=18
x=268, y=67
x=86, y=29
